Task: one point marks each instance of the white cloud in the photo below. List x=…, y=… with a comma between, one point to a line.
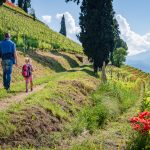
x=70, y=23
x=47, y=19
x=136, y=43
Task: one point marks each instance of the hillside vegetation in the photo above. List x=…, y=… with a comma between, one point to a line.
x=45, y=64
x=74, y=110
x=29, y=33
x=70, y=107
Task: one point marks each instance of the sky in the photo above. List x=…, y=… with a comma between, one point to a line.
x=132, y=16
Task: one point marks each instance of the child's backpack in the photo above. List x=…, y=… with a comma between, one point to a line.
x=26, y=70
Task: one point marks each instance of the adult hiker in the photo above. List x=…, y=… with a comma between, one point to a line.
x=9, y=58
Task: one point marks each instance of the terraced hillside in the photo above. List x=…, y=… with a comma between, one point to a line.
x=30, y=33
x=45, y=64
x=70, y=108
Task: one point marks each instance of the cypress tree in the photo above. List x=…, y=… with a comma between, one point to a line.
x=63, y=26
x=13, y=1
x=20, y=3
x=116, y=38
x=97, y=35
x=25, y=6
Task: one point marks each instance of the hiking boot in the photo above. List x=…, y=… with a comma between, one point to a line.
x=8, y=90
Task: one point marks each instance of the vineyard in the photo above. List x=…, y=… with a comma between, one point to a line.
x=70, y=107
x=29, y=33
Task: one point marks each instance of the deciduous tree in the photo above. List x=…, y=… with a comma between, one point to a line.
x=119, y=56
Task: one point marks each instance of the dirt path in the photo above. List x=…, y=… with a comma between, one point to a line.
x=7, y=102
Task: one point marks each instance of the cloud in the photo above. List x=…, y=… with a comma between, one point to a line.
x=136, y=43
x=47, y=19
x=70, y=23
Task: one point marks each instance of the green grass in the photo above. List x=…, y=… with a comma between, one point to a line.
x=19, y=87
x=6, y=128
x=107, y=102
x=21, y=25
x=47, y=98
x=87, y=145
x=45, y=66
x=67, y=98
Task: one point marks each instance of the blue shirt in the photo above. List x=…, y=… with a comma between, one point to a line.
x=7, y=47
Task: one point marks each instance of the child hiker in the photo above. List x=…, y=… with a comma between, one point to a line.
x=27, y=73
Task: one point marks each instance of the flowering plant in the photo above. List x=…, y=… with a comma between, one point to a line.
x=141, y=123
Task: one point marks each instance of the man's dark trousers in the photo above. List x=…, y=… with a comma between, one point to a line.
x=7, y=71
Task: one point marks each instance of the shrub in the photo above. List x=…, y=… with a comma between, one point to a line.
x=139, y=142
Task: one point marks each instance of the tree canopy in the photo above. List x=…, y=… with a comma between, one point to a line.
x=24, y=4
x=119, y=56
x=97, y=32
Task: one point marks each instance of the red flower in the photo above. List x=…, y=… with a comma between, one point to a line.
x=142, y=122
x=134, y=119
x=144, y=114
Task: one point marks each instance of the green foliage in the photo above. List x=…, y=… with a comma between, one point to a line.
x=13, y=1
x=20, y=3
x=118, y=42
x=139, y=142
x=63, y=26
x=86, y=145
x=24, y=4
x=5, y=130
x=21, y=25
x=91, y=118
x=97, y=32
x=108, y=101
x=121, y=43
x=119, y=56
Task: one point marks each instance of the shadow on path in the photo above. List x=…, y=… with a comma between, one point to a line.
x=90, y=72
x=47, y=61
x=73, y=63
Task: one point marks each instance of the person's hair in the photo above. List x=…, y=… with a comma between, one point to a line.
x=7, y=36
x=27, y=60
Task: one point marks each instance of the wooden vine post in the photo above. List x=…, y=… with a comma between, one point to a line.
x=104, y=77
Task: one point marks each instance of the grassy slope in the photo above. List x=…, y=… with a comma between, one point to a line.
x=45, y=64
x=73, y=110
x=63, y=96
x=117, y=131
x=37, y=34
x=46, y=118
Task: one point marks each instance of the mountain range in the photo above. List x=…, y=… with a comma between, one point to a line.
x=140, y=61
